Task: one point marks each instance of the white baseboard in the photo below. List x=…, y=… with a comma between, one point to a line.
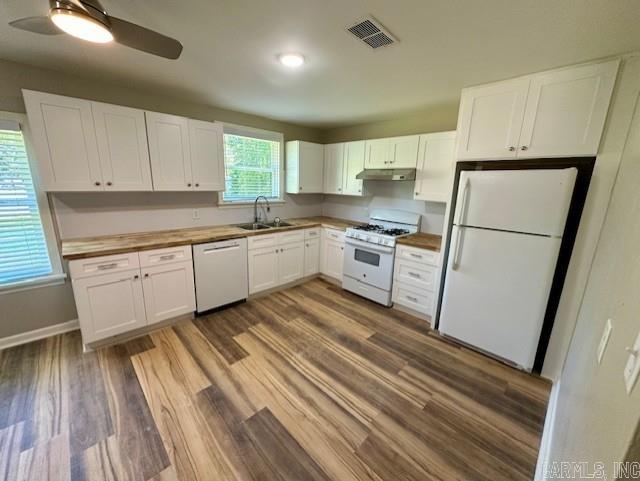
x=30, y=336
x=547, y=433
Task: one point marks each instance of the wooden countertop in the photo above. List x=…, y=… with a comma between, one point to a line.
x=421, y=240
x=82, y=248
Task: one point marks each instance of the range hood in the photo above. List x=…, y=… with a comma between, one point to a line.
x=387, y=174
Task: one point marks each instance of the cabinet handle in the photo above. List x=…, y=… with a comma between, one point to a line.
x=417, y=256
x=414, y=275
x=96, y=183
x=512, y=148
x=105, y=267
x=109, y=183
x=412, y=299
x=167, y=257
x=524, y=147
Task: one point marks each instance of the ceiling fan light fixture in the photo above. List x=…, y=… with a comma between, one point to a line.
x=80, y=25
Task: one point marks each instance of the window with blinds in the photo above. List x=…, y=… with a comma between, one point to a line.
x=252, y=164
x=23, y=247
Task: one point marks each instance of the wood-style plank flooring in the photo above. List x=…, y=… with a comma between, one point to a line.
x=310, y=383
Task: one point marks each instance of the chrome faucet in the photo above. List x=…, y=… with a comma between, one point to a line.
x=255, y=209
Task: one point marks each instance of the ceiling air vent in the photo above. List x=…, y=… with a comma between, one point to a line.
x=371, y=32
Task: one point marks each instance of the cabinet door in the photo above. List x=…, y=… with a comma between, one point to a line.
x=121, y=135
x=403, y=152
x=490, y=120
x=566, y=111
x=353, y=165
x=168, y=291
x=434, y=175
x=207, y=155
x=311, y=165
x=333, y=259
x=311, y=257
x=291, y=262
x=263, y=269
x=65, y=142
x=169, y=151
x=377, y=154
x=333, y=168
x=109, y=304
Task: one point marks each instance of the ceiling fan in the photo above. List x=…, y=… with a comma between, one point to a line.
x=87, y=19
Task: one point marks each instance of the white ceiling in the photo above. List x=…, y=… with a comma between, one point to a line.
x=230, y=49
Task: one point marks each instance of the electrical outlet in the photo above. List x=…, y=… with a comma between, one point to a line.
x=196, y=214
x=632, y=369
x=604, y=340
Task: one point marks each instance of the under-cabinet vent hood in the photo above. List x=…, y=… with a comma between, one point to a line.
x=387, y=174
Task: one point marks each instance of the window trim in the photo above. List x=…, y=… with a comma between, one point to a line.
x=258, y=133
x=57, y=275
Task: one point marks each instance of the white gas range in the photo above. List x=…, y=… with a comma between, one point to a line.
x=370, y=251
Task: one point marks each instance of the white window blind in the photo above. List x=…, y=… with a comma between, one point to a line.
x=252, y=164
x=23, y=248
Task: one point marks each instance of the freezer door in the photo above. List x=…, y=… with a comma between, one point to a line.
x=496, y=291
x=534, y=201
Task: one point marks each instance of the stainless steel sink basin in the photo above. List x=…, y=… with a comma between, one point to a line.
x=253, y=226
x=280, y=224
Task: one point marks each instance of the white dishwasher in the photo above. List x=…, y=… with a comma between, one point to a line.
x=221, y=273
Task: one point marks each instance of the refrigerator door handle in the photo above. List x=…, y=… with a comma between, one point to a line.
x=463, y=203
x=457, y=249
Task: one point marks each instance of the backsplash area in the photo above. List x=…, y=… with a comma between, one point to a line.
x=388, y=195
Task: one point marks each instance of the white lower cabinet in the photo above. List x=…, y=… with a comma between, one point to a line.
x=415, y=278
x=332, y=253
x=291, y=262
x=311, y=257
x=263, y=269
x=115, y=295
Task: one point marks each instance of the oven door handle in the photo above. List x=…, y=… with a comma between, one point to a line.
x=369, y=246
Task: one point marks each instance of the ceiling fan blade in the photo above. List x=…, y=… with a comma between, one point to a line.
x=40, y=24
x=140, y=38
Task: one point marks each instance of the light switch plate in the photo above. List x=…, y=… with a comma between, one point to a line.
x=604, y=340
x=632, y=369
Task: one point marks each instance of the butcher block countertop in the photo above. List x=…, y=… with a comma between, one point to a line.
x=421, y=240
x=82, y=248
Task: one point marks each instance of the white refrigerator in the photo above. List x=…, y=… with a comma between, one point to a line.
x=506, y=235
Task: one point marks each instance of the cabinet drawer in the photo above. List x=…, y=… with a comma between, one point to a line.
x=290, y=236
x=421, y=276
x=413, y=298
x=169, y=255
x=96, y=266
x=312, y=233
x=260, y=241
x=421, y=256
x=334, y=234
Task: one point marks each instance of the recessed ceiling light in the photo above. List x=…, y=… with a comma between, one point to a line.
x=80, y=25
x=291, y=60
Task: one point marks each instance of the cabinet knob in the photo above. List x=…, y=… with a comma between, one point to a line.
x=417, y=193
x=339, y=189
x=189, y=184
x=524, y=147
x=512, y=148
x=96, y=183
x=197, y=185
x=109, y=183
x=359, y=190
x=136, y=276
x=341, y=248
x=146, y=275
x=300, y=188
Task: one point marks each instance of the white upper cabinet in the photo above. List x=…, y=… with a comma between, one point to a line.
x=305, y=167
x=65, y=142
x=434, y=174
x=169, y=151
x=403, y=152
x=559, y=113
x=377, y=154
x=207, y=155
x=333, y=168
x=353, y=165
x=566, y=111
x=122, y=146
x=392, y=153
x=490, y=120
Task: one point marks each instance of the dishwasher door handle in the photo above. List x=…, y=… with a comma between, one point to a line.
x=221, y=248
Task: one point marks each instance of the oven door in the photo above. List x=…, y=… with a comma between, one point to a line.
x=369, y=263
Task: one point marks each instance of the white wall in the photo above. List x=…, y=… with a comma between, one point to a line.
x=607, y=163
x=92, y=214
x=389, y=195
x=594, y=418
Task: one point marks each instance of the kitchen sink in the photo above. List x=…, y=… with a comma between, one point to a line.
x=253, y=226
x=280, y=224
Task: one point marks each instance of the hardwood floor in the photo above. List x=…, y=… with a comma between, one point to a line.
x=310, y=383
